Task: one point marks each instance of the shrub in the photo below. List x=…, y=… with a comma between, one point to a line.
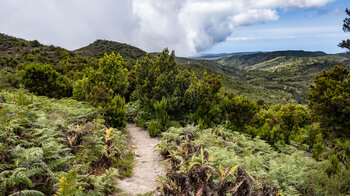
x=45, y=139
x=43, y=80
x=333, y=165
x=81, y=89
x=239, y=111
x=160, y=112
x=154, y=128
x=116, y=112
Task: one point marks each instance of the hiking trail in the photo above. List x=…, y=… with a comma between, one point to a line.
x=147, y=164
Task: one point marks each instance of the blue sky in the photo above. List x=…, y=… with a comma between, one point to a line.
x=190, y=27
x=314, y=29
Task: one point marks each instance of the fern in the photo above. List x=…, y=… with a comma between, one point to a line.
x=37, y=152
x=6, y=167
x=28, y=193
x=19, y=176
x=3, y=188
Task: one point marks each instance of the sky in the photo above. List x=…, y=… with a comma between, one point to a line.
x=190, y=27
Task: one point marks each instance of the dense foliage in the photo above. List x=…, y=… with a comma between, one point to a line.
x=330, y=100
x=57, y=146
x=43, y=80
x=104, y=88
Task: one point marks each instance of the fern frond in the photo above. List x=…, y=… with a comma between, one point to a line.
x=232, y=169
x=28, y=193
x=59, y=162
x=19, y=176
x=35, y=171
x=3, y=188
x=6, y=166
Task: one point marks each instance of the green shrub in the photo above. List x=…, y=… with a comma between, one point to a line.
x=116, y=112
x=239, y=111
x=329, y=100
x=154, y=128
x=43, y=80
x=160, y=112
x=81, y=89
x=333, y=165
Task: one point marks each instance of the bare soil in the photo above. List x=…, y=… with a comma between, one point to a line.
x=147, y=164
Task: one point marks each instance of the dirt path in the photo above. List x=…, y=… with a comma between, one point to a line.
x=148, y=164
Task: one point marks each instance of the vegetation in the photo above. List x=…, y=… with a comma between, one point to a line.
x=57, y=147
x=43, y=80
x=206, y=161
x=329, y=101
x=247, y=131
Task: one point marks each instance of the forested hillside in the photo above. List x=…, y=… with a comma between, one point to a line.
x=224, y=129
x=288, y=73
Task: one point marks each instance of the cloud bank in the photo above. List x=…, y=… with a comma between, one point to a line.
x=187, y=26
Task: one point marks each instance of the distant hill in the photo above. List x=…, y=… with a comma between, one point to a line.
x=290, y=72
x=211, y=56
x=99, y=47
x=251, y=59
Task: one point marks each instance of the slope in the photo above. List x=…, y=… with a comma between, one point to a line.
x=239, y=61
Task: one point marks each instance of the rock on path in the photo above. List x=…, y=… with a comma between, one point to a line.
x=147, y=164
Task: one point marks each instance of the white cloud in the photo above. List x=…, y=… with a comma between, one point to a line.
x=188, y=26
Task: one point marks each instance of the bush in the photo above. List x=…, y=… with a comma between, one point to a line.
x=154, y=128
x=160, y=112
x=333, y=165
x=45, y=139
x=116, y=112
x=239, y=111
x=81, y=89
x=43, y=80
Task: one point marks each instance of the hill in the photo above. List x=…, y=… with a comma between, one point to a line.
x=211, y=56
x=251, y=59
x=99, y=47
x=287, y=74
x=20, y=50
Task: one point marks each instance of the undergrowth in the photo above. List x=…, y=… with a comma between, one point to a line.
x=61, y=147
x=209, y=155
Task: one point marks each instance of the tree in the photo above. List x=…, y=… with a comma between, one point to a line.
x=156, y=79
x=292, y=118
x=206, y=100
x=111, y=73
x=346, y=28
x=329, y=100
